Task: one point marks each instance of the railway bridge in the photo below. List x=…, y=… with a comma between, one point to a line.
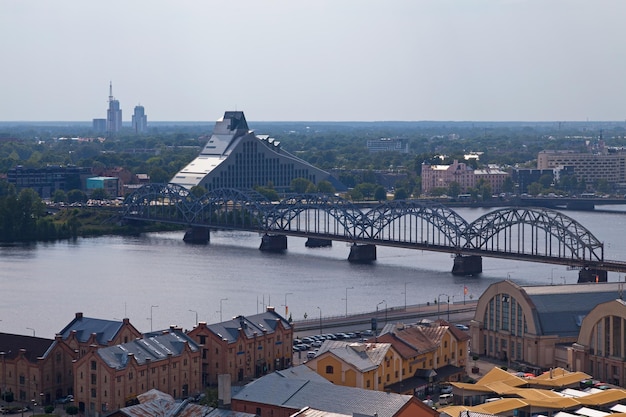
x=517, y=233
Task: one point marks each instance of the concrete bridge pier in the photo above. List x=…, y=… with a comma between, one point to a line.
x=467, y=265
x=197, y=234
x=362, y=253
x=273, y=243
x=592, y=275
x=318, y=243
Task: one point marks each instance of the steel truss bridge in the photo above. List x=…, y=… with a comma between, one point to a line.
x=527, y=234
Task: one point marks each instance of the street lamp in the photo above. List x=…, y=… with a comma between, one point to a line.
x=222, y=299
x=194, y=311
x=287, y=308
x=30, y=328
x=376, y=329
x=151, y=307
x=404, y=296
x=348, y=288
x=439, y=306
x=320, y=319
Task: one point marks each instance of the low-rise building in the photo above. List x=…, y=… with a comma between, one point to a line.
x=245, y=347
x=109, y=378
x=601, y=346
x=360, y=365
x=279, y=396
x=532, y=326
x=430, y=352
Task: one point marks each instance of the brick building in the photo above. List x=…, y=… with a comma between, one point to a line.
x=110, y=378
x=244, y=347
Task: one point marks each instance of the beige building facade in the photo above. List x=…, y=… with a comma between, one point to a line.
x=527, y=325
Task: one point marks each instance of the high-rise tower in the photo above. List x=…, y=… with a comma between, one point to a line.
x=114, y=113
x=140, y=120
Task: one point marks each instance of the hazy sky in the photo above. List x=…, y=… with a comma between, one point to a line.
x=314, y=60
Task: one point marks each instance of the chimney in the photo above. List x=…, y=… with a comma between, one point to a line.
x=79, y=315
x=270, y=309
x=223, y=391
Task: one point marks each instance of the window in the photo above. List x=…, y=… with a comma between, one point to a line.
x=369, y=383
x=93, y=365
x=22, y=380
x=202, y=340
x=94, y=379
x=329, y=369
x=93, y=393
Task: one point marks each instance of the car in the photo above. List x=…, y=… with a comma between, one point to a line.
x=317, y=343
x=65, y=400
x=297, y=341
x=367, y=333
x=311, y=354
x=446, y=389
x=308, y=340
x=341, y=336
x=351, y=335
x=445, y=399
x=461, y=327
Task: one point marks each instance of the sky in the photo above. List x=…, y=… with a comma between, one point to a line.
x=321, y=60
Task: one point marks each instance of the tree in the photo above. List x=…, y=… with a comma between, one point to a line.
x=325, y=187
x=197, y=191
x=454, y=189
x=299, y=185
x=72, y=410
x=76, y=196
x=100, y=194
x=535, y=188
x=159, y=175
x=507, y=185
x=59, y=196
x=380, y=194
x=400, y=194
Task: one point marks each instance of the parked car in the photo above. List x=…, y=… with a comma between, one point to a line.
x=445, y=399
x=65, y=400
x=310, y=354
x=446, y=389
x=461, y=327
x=367, y=333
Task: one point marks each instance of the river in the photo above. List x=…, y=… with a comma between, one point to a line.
x=157, y=280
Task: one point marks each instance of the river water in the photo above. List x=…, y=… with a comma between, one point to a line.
x=157, y=280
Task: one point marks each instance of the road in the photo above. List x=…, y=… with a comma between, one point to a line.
x=459, y=312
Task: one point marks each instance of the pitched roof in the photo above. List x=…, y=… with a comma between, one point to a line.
x=153, y=347
x=258, y=324
x=362, y=356
x=420, y=337
x=157, y=403
x=33, y=347
x=105, y=330
x=273, y=389
x=559, y=309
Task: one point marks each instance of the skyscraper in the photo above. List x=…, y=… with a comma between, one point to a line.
x=114, y=113
x=140, y=120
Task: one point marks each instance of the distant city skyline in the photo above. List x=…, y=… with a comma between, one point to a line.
x=399, y=60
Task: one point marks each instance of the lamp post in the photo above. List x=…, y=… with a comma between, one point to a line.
x=439, y=306
x=194, y=311
x=320, y=319
x=376, y=329
x=222, y=299
x=287, y=308
x=348, y=288
x=404, y=296
x=151, y=308
x=30, y=328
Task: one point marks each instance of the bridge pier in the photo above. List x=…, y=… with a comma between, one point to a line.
x=197, y=234
x=318, y=243
x=362, y=253
x=467, y=265
x=273, y=243
x=592, y=275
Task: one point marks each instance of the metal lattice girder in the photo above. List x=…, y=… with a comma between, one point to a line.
x=534, y=231
x=415, y=221
x=315, y=213
x=231, y=207
x=160, y=202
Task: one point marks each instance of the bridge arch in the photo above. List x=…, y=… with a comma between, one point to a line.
x=323, y=214
x=534, y=232
x=161, y=202
x=414, y=221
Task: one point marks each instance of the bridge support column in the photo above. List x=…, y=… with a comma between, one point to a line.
x=362, y=253
x=318, y=243
x=467, y=265
x=197, y=234
x=592, y=275
x=273, y=243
